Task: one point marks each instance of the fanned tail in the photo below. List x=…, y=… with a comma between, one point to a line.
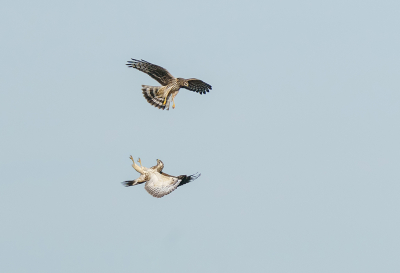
x=150, y=94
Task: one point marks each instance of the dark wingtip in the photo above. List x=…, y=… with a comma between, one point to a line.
x=188, y=178
x=127, y=183
x=194, y=176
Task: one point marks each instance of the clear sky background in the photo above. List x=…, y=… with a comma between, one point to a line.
x=298, y=142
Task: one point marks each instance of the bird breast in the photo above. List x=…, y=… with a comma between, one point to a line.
x=174, y=86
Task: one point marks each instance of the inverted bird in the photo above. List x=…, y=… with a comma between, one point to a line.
x=158, y=183
x=161, y=96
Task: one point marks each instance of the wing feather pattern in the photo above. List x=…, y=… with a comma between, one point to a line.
x=198, y=86
x=158, y=73
x=188, y=178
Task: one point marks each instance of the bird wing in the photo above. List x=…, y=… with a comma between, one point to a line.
x=158, y=73
x=198, y=86
x=160, y=185
x=188, y=178
x=142, y=178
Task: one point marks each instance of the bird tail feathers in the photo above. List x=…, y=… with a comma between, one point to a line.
x=151, y=95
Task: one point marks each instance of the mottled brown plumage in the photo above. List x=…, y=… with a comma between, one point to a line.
x=161, y=96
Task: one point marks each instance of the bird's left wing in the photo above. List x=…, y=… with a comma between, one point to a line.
x=198, y=86
x=158, y=73
x=187, y=178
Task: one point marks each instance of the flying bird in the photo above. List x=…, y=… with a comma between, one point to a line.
x=158, y=183
x=161, y=96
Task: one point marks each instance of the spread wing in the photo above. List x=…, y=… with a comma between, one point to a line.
x=198, y=86
x=158, y=73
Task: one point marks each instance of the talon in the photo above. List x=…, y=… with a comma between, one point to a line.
x=140, y=162
x=165, y=101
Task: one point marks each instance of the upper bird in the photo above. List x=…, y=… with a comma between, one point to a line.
x=158, y=183
x=161, y=96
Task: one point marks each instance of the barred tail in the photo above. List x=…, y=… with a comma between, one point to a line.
x=150, y=94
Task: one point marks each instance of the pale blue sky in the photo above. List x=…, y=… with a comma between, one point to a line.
x=298, y=142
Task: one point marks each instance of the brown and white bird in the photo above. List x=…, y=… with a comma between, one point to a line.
x=158, y=183
x=161, y=96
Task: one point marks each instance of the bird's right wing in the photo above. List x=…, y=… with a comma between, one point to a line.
x=158, y=73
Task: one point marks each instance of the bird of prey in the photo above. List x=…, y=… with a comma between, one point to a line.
x=161, y=96
x=158, y=183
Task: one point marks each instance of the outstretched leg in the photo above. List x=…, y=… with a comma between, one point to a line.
x=140, y=162
x=136, y=167
x=173, y=98
x=166, y=96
